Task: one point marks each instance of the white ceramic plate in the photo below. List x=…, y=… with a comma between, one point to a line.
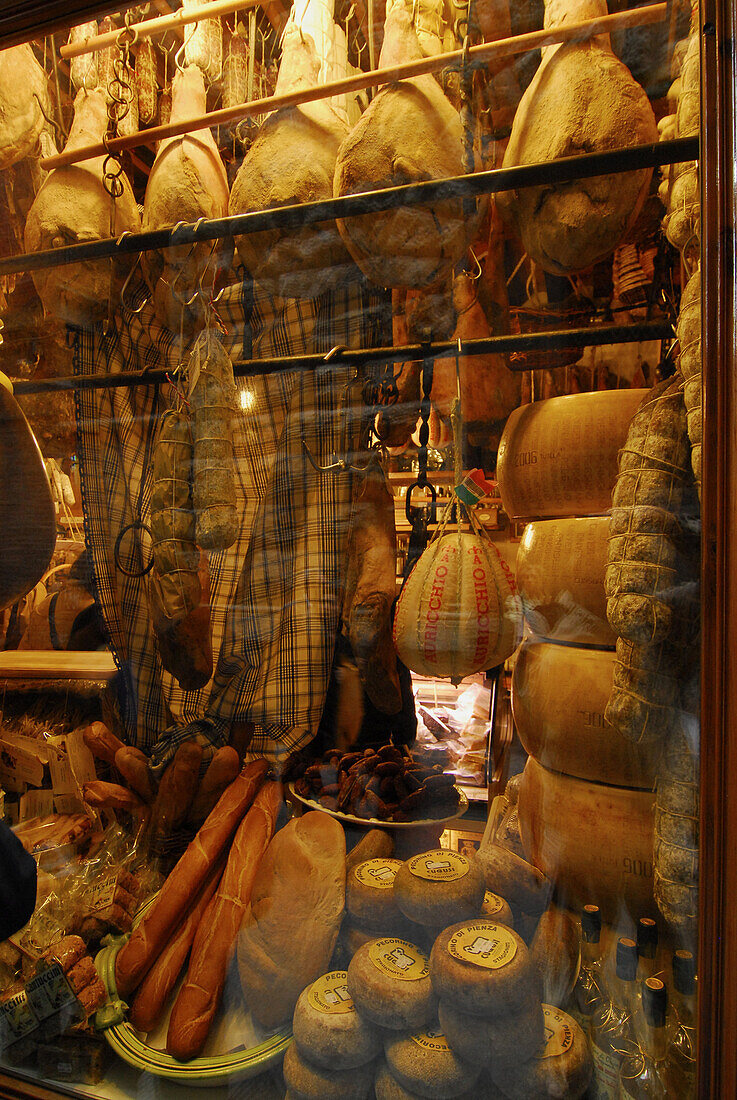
x=375, y=822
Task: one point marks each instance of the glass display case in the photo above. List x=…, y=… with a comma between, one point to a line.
x=366, y=551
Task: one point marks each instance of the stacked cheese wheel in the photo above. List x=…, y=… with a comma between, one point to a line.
x=557, y=468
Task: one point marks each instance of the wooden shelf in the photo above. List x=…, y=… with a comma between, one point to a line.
x=32, y=664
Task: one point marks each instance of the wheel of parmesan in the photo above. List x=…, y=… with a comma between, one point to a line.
x=560, y=576
x=591, y=840
x=558, y=457
x=559, y=695
x=459, y=611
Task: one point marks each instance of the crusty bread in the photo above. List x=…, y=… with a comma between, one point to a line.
x=290, y=928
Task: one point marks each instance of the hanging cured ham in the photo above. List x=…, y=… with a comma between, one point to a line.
x=293, y=161
x=23, y=99
x=187, y=182
x=410, y=132
x=582, y=99
x=73, y=207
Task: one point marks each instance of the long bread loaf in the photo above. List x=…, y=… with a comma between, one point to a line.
x=157, y=985
x=153, y=933
x=214, y=941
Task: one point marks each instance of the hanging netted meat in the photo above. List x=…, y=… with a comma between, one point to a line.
x=582, y=99
x=371, y=588
x=187, y=182
x=293, y=161
x=23, y=100
x=179, y=591
x=73, y=206
x=212, y=398
x=410, y=132
x=689, y=339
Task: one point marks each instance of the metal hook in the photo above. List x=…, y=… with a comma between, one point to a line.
x=124, y=288
x=477, y=264
x=58, y=132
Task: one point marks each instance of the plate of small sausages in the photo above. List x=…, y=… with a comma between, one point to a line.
x=390, y=787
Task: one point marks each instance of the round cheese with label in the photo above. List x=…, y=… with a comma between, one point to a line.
x=370, y=893
x=497, y=909
x=483, y=1040
x=439, y=887
x=312, y=1082
x=524, y=886
x=327, y=1028
x=425, y=1064
x=387, y=1087
x=389, y=982
x=562, y=1067
x=483, y=968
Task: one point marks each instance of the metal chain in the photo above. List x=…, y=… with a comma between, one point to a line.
x=424, y=432
x=119, y=98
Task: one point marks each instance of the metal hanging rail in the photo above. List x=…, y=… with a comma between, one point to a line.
x=596, y=335
x=151, y=28
x=370, y=202
x=487, y=51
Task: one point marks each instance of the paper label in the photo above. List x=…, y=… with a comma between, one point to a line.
x=49, y=992
x=432, y=1039
x=558, y=1032
x=67, y=798
x=483, y=943
x=17, y=1017
x=399, y=959
x=493, y=904
x=378, y=873
x=440, y=865
x=100, y=895
x=19, y=768
x=605, y=1085
x=36, y=803
x=330, y=993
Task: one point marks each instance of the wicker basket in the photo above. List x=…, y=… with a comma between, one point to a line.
x=572, y=312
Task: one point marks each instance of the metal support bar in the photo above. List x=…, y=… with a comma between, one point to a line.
x=596, y=335
x=369, y=202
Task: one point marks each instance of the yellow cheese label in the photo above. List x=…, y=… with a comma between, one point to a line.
x=558, y=1032
x=399, y=959
x=493, y=904
x=439, y=865
x=483, y=943
x=377, y=873
x=432, y=1039
x=330, y=993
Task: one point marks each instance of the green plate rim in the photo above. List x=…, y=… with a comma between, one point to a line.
x=124, y=1040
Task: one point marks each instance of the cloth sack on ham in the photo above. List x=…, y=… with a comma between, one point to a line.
x=187, y=182
x=290, y=928
x=409, y=133
x=582, y=99
x=293, y=161
x=73, y=207
x=23, y=99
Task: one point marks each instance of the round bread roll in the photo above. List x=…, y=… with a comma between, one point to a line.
x=327, y=1029
x=562, y=1069
x=388, y=1088
x=556, y=951
x=439, y=888
x=482, y=1041
x=495, y=907
x=369, y=896
x=389, y=982
x=425, y=1064
x=483, y=968
x=314, y=1083
x=523, y=886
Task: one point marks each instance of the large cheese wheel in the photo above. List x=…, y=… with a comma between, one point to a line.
x=559, y=693
x=559, y=457
x=459, y=611
x=594, y=841
x=560, y=577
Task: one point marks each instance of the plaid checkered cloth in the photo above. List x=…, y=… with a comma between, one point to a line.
x=276, y=593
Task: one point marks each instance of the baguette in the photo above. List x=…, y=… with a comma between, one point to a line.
x=133, y=766
x=215, y=939
x=102, y=742
x=149, y=939
x=157, y=985
x=223, y=769
x=100, y=795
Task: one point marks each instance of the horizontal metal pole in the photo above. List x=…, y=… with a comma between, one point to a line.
x=369, y=202
x=595, y=335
